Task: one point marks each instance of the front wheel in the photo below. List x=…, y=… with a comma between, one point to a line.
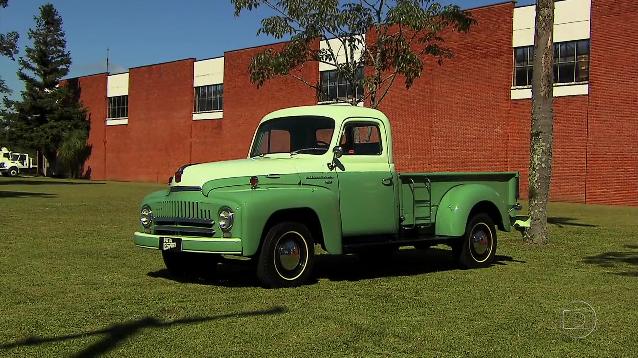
x=287, y=256
x=478, y=247
x=13, y=172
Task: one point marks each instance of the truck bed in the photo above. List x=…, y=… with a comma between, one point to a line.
x=420, y=194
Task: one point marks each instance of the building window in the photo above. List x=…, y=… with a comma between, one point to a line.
x=523, y=63
x=209, y=98
x=118, y=107
x=334, y=88
x=571, y=63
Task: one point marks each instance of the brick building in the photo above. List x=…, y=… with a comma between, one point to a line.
x=470, y=114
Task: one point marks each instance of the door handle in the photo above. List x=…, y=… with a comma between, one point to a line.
x=386, y=181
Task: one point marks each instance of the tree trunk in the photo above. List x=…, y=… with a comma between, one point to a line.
x=52, y=167
x=541, y=136
x=376, y=82
x=40, y=162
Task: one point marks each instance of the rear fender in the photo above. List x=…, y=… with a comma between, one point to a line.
x=455, y=207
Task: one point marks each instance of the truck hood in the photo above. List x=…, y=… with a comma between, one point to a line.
x=198, y=174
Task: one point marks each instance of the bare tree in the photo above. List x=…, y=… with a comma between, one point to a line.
x=542, y=128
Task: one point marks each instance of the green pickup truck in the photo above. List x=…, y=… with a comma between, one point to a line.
x=322, y=175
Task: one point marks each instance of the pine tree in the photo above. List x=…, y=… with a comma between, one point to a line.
x=8, y=47
x=48, y=110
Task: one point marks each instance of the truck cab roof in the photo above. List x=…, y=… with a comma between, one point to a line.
x=338, y=112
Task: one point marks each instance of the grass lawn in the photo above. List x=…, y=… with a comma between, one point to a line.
x=73, y=284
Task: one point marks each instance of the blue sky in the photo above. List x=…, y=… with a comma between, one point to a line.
x=140, y=32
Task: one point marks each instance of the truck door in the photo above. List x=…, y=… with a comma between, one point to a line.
x=23, y=161
x=366, y=183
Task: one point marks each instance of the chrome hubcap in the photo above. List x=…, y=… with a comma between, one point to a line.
x=291, y=255
x=481, y=242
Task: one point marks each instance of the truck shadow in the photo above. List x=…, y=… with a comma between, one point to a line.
x=404, y=263
x=235, y=273
x=120, y=332
x=624, y=263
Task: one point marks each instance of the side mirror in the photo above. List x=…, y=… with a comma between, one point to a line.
x=337, y=153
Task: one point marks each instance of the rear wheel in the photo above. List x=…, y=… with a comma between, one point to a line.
x=184, y=264
x=287, y=256
x=478, y=247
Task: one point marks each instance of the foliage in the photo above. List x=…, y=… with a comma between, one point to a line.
x=8, y=47
x=73, y=152
x=48, y=110
x=73, y=284
x=398, y=37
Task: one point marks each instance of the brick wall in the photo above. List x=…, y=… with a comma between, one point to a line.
x=456, y=117
x=570, y=137
x=245, y=105
x=612, y=163
x=93, y=96
x=156, y=140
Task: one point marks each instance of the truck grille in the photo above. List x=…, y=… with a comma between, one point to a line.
x=183, y=209
x=183, y=218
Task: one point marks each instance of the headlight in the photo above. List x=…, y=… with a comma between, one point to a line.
x=226, y=218
x=146, y=216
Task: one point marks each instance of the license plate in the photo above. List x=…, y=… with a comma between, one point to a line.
x=170, y=244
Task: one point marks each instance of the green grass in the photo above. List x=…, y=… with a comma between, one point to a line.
x=74, y=284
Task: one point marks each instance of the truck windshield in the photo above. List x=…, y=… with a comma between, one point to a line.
x=295, y=135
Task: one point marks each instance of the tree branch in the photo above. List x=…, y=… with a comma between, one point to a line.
x=299, y=78
x=387, y=89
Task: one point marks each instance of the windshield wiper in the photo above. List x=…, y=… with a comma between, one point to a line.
x=298, y=151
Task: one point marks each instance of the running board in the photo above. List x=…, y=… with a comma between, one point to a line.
x=434, y=240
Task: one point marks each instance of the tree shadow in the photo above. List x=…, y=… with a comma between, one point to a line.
x=116, y=334
x=24, y=194
x=88, y=172
x=618, y=260
x=562, y=221
x=235, y=273
x=47, y=182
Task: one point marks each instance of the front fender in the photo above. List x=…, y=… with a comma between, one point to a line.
x=154, y=196
x=455, y=206
x=257, y=206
